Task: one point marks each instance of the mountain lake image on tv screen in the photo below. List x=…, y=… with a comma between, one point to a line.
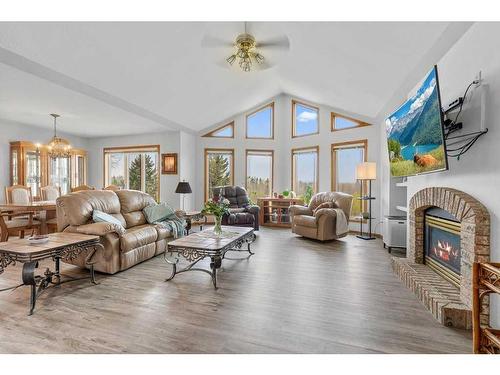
x=415, y=134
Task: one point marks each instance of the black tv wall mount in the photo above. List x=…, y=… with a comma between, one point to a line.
x=458, y=145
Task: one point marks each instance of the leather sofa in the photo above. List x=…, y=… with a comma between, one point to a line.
x=241, y=212
x=320, y=224
x=122, y=248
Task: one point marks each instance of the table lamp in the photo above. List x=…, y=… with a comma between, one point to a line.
x=183, y=188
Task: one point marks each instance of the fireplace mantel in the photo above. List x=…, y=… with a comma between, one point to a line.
x=474, y=243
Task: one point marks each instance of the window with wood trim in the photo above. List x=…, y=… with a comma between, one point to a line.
x=341, y=122
x=305, y=119
x=259, y=173
x=135, y=168
x=260, y=123
x=305, y=162
x=225, y=131
x=345, y=157
x=219, y=169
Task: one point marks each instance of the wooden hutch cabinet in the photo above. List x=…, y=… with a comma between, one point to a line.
x=274, y=211
x=30, y=165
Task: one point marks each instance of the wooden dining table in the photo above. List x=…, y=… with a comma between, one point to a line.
x=46, y=210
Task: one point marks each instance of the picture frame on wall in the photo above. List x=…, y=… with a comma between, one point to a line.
x=169, y=163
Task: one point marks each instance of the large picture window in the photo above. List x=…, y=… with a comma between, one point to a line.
x=305, y=119
x=259, y=173
x=135, y=168
x=345, y=157
x=260, y=123
x=219, y=169
x=305, y=169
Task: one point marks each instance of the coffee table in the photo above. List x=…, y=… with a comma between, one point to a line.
x=61, y=246
x=206, y=244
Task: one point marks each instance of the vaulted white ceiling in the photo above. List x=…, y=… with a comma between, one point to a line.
x=126, y=78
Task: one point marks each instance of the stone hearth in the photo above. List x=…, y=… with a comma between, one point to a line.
x=450, y=305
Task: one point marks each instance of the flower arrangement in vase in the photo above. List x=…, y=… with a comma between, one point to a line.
x=218, y=207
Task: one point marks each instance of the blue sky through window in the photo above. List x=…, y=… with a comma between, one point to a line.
x=225, y=132
x=306, y=120
x=305, y=167
x=259, y=124
x=344, y=123
x=347, y=160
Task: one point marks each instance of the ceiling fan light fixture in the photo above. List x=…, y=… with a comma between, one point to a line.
x=245, y=45
x=231, y=59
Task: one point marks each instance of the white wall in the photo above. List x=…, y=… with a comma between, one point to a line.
x=478, y=171
x=187, y=162
x=283, y=143
x=12, y=131
x=168, y=141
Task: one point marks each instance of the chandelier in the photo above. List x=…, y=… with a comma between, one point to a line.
x=58, y=147
x=245, y=54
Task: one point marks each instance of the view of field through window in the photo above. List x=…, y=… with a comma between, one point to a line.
x=259, y=174
x=344, y=161
x=305, y=170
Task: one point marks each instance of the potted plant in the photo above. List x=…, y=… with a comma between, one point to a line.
x=218, y=207
x=308, y=195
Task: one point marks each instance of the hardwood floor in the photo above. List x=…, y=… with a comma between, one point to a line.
x=293, y=296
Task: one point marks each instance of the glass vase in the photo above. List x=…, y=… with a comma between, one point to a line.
x=218, y=225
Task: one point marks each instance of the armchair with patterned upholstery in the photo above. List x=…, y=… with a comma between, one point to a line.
x=318, y=220
x=241, y=212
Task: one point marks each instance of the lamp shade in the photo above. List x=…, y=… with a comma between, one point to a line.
x=183, y=188
x=366, y=171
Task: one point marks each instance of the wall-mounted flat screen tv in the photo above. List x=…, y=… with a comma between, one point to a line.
x=415, y=132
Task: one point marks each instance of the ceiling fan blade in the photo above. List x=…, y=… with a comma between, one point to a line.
x=280, y=42
x=209, y=41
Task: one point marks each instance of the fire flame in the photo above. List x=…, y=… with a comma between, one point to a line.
x=445, y=251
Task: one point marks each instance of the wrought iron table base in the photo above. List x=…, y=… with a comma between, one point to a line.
x=39, y=283
x=215, y=260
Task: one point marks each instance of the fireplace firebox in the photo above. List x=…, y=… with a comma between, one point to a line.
x=442, y=244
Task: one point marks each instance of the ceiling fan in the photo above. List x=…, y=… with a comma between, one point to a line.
x=247, y=52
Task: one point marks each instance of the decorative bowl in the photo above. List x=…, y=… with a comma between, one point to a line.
x=36, y=240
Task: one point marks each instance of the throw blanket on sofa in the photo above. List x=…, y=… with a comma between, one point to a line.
x=162, y=214
x=341, y=222
x=174, y=224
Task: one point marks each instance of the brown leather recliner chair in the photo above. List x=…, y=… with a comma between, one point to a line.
x=241, y=212
x=122, y=248
x=320, y=225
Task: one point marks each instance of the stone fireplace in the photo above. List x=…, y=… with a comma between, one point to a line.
x=448, y=231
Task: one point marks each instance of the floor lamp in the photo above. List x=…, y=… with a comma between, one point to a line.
x=366, y=171
x=183, y=188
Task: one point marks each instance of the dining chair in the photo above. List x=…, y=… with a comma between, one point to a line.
x=112, y=188
x=16, y=223
x=82, y=187
x=50, y=192
x=18, y=194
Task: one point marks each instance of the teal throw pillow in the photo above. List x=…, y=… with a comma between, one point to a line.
x=103, y=217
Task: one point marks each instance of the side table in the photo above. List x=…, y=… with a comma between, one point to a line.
x=61, y=246
x=194, y=216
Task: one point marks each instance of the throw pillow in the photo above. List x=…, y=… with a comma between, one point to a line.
x=325, y=205
x=158, y=212
x=103, y=217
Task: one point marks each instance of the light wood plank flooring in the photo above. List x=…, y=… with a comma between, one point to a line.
x=293, y=296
